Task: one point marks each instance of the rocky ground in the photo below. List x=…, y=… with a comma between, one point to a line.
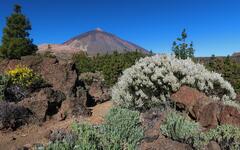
x=66, y=99
x=72, y=98
x=31, y=134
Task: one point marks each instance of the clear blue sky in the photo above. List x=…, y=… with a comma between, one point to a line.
x=213, y=25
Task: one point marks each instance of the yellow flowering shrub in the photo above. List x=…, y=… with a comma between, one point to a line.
x=23, y=76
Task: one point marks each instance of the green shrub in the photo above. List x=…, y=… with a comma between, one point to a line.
x=184, y=130
x=88, y=78
x=49, y=54
x=121, y=130
x=59, y=145
x=229, y=69
x=83, y=63
x=24, y=77
x=110, y=65
x=227, y=136
x=179, y=128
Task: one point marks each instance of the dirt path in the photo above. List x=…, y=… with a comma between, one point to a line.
x=31, y=134
x=98, y=112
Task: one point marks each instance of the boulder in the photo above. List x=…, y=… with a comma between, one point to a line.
x=212, y=145
x=230, y=115
x=75, y=105
x=94, y=84
x=43, y=103
x=208, y=115
x=98, y=92
x=206, y=111
x=163, y=143
x=151, y=121
x=187, y=98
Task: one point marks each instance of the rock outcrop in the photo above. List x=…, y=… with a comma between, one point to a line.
x=60, y=74
x=94, y=84
x=64, y=96
x=206, y=111
x=44, y=103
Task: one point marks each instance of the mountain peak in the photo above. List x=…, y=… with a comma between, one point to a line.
x=99, y=29
x=95, y=42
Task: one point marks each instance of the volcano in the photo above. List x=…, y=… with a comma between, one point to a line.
x=93, y=42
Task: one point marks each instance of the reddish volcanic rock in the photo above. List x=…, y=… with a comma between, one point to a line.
x=213, y=146
x=187, y=97
x=98, y=92
x=230, y=115
x=209, y=114
x=60, y=74
x=43, y=103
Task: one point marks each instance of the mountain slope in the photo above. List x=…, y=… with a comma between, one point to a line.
x=94, y=42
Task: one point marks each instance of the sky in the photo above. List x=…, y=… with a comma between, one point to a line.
x=212, y=25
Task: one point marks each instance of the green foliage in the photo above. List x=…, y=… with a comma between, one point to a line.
x=15, y=40
x=49, y=54
x=88, y=78
x=3, y=85
x=184, y=130
x=179, y=127
x=83, y=63
x=120, y=131
x=111, y=66
x=23, y=76
x=227, y=136
x=181, y=49
x=229, y=69
x=59, y=145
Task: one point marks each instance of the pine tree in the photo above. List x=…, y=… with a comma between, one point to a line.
x=15, y=40
x=181, y=49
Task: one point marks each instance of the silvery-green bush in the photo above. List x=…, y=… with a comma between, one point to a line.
x=152, y=80
x=179, y=127
x=121, y=131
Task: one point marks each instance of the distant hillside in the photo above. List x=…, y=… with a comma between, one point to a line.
x=93, y=42
x=236, y=54
x=207, y=59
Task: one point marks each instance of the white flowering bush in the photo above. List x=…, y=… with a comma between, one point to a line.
x=152, y=80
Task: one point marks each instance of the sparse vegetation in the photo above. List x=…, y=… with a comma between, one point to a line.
x=229, y=69
x=15, y=40
x=110, y=65
x=120, y=131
